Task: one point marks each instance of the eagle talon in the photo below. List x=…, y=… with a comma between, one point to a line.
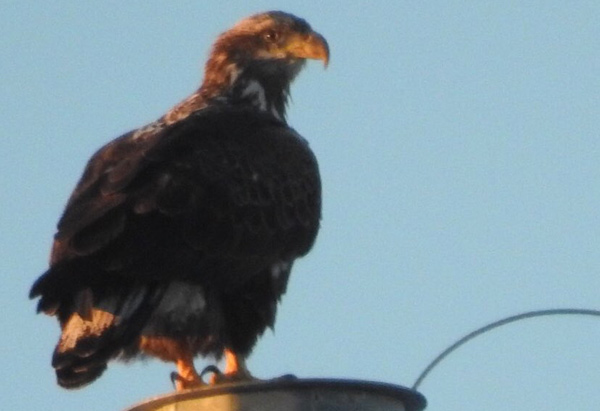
x=214, y=370
x=174, y=378
x=186, y=376
x=181, y=383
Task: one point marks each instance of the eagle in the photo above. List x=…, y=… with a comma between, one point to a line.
x=179, y=238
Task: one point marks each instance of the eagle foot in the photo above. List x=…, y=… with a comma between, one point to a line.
x=218, y=377
x=181, y=383
x=213, y=370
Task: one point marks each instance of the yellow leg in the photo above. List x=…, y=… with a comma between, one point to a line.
x=235, y=366
x=235, y=369
x=186, y=376
x=179, y=352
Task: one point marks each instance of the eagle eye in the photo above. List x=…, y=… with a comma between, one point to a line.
x=271, y=36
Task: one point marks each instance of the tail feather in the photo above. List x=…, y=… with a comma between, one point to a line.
x=78, y=377
x=98, y=331
x=58, y=282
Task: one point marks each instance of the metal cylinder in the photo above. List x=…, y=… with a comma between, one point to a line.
x=290, y=395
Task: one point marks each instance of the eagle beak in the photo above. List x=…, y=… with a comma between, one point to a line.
x=314, y=46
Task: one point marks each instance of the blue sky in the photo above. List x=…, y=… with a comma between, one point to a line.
x=460, y=156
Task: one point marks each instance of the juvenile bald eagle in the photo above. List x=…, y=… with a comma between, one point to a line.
x=180, y=236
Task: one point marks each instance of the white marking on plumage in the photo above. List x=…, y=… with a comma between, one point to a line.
x=278, y=268
x=131, y=304
x=87, y=321
x=234, y=71
x=164, y=179
x=256, y=91
x=181, y=303
x=276, y=113
x=182, y=296
x=147, y=130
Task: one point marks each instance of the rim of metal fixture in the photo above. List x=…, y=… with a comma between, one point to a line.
x=411, y=399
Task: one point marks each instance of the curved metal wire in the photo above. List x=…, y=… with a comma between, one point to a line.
x=496, y=324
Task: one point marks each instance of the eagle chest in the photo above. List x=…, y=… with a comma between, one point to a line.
x=251, y=193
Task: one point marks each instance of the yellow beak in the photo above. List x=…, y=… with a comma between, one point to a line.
x=314, y=46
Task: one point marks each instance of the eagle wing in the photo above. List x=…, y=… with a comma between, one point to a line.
x=215, y=197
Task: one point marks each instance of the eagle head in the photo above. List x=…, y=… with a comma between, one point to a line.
x=255, y=61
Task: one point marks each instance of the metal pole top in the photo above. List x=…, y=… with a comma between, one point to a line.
x=290, y=394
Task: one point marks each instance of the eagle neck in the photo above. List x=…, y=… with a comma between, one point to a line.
x=263, y=85
x=268, y=95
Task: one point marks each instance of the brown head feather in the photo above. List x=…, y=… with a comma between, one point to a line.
x=268, y=49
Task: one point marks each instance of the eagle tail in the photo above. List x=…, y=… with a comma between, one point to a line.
x=98, y=330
